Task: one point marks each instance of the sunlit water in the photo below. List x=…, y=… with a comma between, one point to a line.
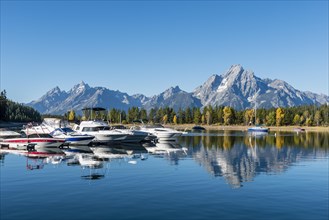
x=216, y=175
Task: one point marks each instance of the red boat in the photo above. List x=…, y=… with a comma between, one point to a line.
x=39, y=140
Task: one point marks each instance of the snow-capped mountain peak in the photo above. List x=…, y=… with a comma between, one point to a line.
x=236, y=88
x=234, y=71
x=53, y=91
x=171, y=91
x=82, y=86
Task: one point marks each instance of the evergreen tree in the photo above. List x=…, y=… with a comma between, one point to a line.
x=152, y=115
x=196, y=116
x=317, y=117
x=143, y=114
x=188, y=115
x=181, y=116
x=3, y=106
x=270, y=118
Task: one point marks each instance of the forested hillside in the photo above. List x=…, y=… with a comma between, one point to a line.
x=16, y=112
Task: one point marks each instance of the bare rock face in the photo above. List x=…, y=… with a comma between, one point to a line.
x=237, y=87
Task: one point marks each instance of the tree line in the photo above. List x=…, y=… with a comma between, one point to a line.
x=15, y=112
x=308, y=115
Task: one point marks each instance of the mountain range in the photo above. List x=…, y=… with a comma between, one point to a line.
x=237, y=87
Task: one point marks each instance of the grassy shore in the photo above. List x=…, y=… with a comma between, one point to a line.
x=207, y=127
x=244, y=128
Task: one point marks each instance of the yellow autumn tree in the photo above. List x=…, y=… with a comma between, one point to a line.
x=228, y=115
x=71, y=115
x=174, y=119
x=248, y=116
x=165, y=118
x=279, y=116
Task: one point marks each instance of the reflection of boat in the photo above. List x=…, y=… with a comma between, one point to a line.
x=72, y=137
x=34, y=164
x=93, y=176
x=92, y=166
x=166, y=148
x=44, y=152
x=90, y=161
x=108, y=152
x=77, y=149
x=299, y=130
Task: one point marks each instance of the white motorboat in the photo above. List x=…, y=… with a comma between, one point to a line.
x=258, y=129
x=133, y=136
x=101, y=131
x=47, y=126
x=72, y=137
x=39, y=140
x=162, y=133
x=5, y=134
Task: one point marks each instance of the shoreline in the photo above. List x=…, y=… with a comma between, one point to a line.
x=245, y=127
x=207, y=127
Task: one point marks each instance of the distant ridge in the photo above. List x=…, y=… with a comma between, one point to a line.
x=236, y=88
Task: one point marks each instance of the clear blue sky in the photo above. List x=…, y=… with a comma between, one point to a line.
x=146, y=47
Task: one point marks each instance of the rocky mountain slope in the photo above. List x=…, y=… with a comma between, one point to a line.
x=236, y=87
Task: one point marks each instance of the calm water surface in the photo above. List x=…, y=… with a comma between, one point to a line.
x=214, y=175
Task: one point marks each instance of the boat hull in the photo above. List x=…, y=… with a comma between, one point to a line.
x=106, y=137
x=258, y=129
x=22, y=143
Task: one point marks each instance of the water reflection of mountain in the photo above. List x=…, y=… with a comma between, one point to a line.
x=239, y=158
x=236, y=156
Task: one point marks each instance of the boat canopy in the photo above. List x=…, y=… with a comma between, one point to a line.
x=94, y=113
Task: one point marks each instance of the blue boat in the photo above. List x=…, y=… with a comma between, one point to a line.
x=258, y=129
x=72, y=137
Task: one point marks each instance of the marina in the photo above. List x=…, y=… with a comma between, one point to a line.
x=151, y=110
x=203, y=175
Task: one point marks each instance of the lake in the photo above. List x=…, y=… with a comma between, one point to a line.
x=207, y=175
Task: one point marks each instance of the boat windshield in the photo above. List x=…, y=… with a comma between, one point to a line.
x=66, y=130
x=118, y=127
x=99, y=128
x=39, y=136
x=154, y=126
